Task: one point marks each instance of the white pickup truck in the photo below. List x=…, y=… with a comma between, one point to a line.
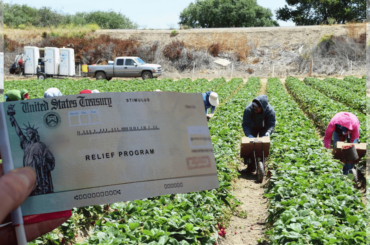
x=125, y=67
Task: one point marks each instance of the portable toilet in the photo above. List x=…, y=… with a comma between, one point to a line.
x=51, y=60
x=1, y=72
x=67, y=62
x=31, y=57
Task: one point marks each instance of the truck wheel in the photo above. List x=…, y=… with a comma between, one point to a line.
x=146, y=75
x=41, y=76
x=100, y=75
x=109, y=78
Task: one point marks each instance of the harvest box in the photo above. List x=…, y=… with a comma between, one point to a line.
x=338, y=153
x=259, y=144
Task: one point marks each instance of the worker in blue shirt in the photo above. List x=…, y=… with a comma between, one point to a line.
x=210, y=100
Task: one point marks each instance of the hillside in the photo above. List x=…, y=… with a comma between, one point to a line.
x=267, y=51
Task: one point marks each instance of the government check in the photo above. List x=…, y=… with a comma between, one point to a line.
x=94, y=149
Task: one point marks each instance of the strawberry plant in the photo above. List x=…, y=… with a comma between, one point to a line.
x=360, y=89
x=206, y=85
x=228, y=89
x=355, y=80
x=37, y=88
x=352, y=99
x=311, y=201
x=319, y=107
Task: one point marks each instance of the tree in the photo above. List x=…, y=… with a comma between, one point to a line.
x=16, y=15
x=316, y=12
x=105, y=20
x=226, y=13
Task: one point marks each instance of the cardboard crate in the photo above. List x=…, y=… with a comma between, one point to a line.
x=248, y=144
x=361, y=150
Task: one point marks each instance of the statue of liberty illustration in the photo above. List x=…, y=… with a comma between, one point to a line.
x=36, y=155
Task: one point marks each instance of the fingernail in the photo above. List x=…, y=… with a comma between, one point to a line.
x=27, y=175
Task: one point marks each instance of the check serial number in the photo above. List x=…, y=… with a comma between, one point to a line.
x=173, y=185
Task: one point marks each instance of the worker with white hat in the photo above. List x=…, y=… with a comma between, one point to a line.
x=210, y=100
x=52, y=92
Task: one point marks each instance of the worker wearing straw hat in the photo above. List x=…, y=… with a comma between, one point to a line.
x=210, y=100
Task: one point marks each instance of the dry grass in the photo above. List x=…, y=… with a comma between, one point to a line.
x=224, y=42
x=91, y=50
x=356, y=30
x=11, y=45
x=39, y=33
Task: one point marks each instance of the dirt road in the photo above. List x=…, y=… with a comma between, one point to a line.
x=249, y=229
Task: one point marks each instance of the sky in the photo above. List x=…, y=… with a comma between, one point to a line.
x=156, y=14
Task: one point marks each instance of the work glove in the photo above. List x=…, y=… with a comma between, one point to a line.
x=267, y=134
x=355, y=141
x=250, y=136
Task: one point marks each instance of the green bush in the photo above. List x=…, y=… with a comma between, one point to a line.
x=21, y=16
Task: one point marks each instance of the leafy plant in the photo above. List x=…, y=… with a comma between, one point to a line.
x=354, y=100
x=319, y=107
x=358, y=88
x=311, y=201
x=174, y=33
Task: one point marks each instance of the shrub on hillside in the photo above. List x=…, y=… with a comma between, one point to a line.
x=173, y=50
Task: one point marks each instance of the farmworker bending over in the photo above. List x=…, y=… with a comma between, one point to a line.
x=14, y=95
x=343, y=126
x=52, y=92
x=259, y=118
x=210, y=100
x=86, y=91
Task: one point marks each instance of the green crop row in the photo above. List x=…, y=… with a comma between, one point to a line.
x=206, y=85
x=359, y=89
x=352, y=99
x=36, y=88
x=319, y=107
x=225, y=91
x=311, y=201
x=355, y=80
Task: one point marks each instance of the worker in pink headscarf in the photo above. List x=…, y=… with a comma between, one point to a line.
x=344, y=126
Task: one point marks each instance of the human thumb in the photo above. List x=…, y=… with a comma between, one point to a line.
x=15, y=187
